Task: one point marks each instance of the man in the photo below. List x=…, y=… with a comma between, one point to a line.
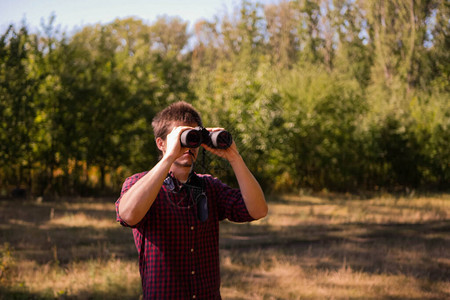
x=175, y=213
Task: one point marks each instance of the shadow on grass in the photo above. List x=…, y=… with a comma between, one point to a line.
x=26, y=227
x=15, y=294
x=419, y=250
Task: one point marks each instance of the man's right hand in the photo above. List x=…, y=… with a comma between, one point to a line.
x=172, y=148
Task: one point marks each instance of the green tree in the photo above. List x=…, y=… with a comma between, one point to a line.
x=18, y=86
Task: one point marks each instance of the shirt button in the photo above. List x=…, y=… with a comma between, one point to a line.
x=193, y=272
x=193, y=297
x=192, y=227
x=192, y=249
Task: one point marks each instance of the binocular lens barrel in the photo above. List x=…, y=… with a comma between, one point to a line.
x=193, y=138
x=221, y=139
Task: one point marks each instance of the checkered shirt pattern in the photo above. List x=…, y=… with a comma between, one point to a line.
x=178, y=254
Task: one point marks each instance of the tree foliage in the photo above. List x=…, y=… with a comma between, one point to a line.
x=335, y=94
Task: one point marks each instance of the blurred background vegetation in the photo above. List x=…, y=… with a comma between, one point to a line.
x=342, y=95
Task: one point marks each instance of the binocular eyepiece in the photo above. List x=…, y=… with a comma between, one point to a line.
x=193, y=138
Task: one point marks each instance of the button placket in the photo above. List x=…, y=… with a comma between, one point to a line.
x=192, y=258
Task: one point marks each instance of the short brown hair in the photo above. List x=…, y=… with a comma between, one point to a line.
x=181, y=111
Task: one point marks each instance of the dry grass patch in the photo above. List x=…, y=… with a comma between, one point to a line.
x=66, y=250
x=340, y=248
x=79, y=220
x=92, y=279
x=282, y=280
x=329, y=247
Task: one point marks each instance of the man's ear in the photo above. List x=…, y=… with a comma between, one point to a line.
x=161, y=144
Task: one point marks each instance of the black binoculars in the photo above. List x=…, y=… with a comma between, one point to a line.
x=193, y=138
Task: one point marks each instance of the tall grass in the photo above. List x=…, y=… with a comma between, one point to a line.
x=327, y=247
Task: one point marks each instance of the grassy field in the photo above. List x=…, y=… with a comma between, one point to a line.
x=309, y=247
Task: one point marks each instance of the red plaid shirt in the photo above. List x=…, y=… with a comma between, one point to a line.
x=178, y=254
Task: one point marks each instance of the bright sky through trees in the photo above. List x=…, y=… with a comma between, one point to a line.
x=76, y=14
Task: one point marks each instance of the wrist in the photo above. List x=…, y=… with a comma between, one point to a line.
x=235, y=158
x=168, y=159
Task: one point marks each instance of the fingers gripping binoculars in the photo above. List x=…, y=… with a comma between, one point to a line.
x=193, y=138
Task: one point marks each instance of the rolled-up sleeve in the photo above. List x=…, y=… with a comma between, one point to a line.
x=129, y=182
x=230, y=203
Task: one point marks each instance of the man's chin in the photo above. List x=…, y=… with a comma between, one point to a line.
x=183, y=164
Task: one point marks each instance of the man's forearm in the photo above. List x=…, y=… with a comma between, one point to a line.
x=251, y=190
x=135, y=203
